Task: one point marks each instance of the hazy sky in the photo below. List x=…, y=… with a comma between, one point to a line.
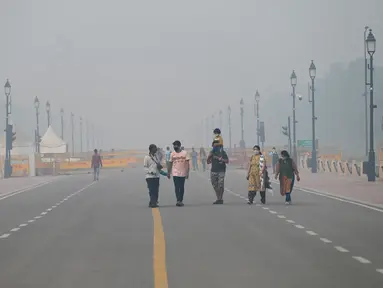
x=152, y=71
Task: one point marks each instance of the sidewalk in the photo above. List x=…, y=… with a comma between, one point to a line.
x=11, y=185
x=344, y=187
x=359, y=190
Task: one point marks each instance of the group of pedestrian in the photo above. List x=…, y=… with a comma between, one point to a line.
x=178, y=167
x=202, y=158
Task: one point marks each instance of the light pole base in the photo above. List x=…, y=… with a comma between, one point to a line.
x=371, y=176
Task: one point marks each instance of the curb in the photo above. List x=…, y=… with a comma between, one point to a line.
x=376, y=207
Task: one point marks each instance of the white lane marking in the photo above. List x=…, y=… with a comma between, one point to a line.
x=25, y=189
x=300, y=226
x=345, y=200
x=4, y=236
x=341, y=249
x=31, y=221
x=54, y=206
x=290, y=221
x=312, y=233
x=23, y=225
x=325, y=240
x=281, y=216
x=266, y=208
x=379, y=271
x=37, y=217
x=272, y=212
x=361, y=260
x=43, y=213
x=58, y=203
x=49, y=209
x=15, y=229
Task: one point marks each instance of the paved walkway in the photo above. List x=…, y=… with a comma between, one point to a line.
x=16, y=184
x=346, y=187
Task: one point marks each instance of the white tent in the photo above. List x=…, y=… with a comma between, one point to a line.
x=51, y=143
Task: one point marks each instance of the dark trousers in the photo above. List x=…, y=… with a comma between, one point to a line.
x=179, y=185
x=153, y=187
x=252, y=194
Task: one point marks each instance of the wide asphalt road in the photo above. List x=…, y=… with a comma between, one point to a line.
x=76, y=233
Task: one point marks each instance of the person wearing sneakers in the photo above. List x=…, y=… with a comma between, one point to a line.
x=218, y=160
x=179, y=168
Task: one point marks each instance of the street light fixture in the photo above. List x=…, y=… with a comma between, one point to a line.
x=371, y=47
x=48, y=109
x=242, y=110
x=37, y=103
x=8, y=131
x=257, y=98
x=371, y=43
x=62, y=123
x=293, y=81
x=312, y=73
x=37, y=140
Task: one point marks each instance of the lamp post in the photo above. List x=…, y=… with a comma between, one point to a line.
x=312, y=73
x=62, y=123
x=81, y=134
x=37, y=105
x=293, y=81
x=242, y=111
x=72, y=122
x=93, y=137
x=48, y=109
x=371, y=47
x=229, y=122
x=220, y=119
x=8, y=133
x=365, y=87
x=87, y=135
x=257, y=97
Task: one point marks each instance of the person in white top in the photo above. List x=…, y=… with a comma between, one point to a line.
x=152, y=175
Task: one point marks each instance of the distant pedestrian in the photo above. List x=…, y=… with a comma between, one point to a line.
x=203, y=158
x=96, y=165
x=286, y=170
x=257, y=176
x=274, y=159
x=167, y=156
x=179, y=168
x=152, y=168
x=218, y=160
x=194, y=156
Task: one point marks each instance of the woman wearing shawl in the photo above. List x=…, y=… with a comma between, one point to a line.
x=256, y=176
x=286, y=170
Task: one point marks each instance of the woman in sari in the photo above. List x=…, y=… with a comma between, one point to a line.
x=286, y=170
x=255, y=176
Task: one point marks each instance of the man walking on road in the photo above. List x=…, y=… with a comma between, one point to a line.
x=194, y=156
x=179, y=167
x=218, y=160
x=96, y=165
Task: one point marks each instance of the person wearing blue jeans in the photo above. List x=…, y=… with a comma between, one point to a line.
x=194, y=156
x=96, y=165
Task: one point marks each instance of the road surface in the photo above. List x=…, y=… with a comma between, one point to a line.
x=76, y=233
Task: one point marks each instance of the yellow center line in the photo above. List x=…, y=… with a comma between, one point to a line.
x=159, y=252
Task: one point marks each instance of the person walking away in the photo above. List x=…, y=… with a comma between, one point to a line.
x=96, y=165
x=274, y=158
x=203, y=158
x=179, y=168
x=257, y=176
x=194, y=156
x=167, y=156
x=285, y=170
x=218, y=160
x=152, y=175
